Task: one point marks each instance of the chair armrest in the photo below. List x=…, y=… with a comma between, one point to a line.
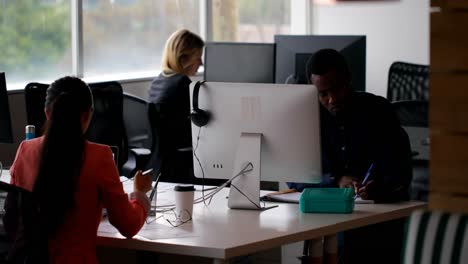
x=140, y=152
x=138, y=159
x=188, y=149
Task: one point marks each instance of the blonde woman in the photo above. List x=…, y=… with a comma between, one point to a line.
x=170, y=92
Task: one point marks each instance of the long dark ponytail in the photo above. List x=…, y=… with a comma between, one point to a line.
x=63, y=150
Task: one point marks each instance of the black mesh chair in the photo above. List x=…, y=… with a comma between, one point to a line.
x=139, y=135
x=34, y=95
x=174, y=164
x=407, y=81
x=136, y=121
x=107, y=125
x=166, y=160
x=156, y=156
x=22, y=238
x=413, y=117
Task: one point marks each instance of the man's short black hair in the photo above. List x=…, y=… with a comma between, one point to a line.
x=326, y=60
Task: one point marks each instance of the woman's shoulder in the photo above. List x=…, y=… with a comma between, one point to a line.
x=99, y=154
x=31, y=145
x=172, y=78
x=96, y=147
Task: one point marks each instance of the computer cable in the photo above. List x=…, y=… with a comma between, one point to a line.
x=247, y=168
x=199, y=164
x=210, y=195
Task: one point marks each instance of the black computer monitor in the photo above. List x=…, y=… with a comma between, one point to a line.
x=240, y=62
x=292, y=53
x=300, y=68
x=6, y=133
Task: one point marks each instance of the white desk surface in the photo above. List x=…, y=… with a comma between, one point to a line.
x=222, y=233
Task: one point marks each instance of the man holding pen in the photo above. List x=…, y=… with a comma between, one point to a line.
x=363, y=147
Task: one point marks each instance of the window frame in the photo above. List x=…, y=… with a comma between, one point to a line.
x=301, y=23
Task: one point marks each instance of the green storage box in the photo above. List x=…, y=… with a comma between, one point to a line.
x=327, y=200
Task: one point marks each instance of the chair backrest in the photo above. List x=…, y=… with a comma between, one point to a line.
x=34, y=95
x=136, y=122
x=107, y=125
x=408, y=81
x=22, y=237
x=413, y=117
x=412, y=112
x=436, y=237
x=156, y=155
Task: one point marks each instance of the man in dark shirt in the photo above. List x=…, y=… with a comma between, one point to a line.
x=358, y=130
x=361, y=134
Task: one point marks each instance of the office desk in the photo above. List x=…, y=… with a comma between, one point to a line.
x=221, y=233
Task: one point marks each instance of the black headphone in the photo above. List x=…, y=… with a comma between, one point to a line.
x=198, y=116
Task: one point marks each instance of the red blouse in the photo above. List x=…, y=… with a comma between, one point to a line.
x=99, y=186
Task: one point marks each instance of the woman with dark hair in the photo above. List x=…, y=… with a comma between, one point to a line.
x=73, y=179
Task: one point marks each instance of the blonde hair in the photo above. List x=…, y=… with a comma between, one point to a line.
x=179, y=47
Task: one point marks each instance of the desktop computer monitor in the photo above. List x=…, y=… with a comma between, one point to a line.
x=292, y=53
x=6, y=134
x=300, y=68
x=239, y=62
x=275, y=127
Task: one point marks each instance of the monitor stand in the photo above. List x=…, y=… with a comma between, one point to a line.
x=245, y=189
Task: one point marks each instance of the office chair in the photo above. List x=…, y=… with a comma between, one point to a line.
x=139, y=134
x=156, y=157
x=106, y=127
x=435, y=237
x=22, y=238
x=34, y=95
x=413, y=117
x=175, y=164
x=408, y=81
x=136, y=121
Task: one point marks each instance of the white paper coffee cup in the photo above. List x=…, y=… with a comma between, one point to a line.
x=184, y=201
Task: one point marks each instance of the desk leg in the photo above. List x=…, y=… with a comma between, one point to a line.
x=331, y=249
x=221, y=261
x=313, y=252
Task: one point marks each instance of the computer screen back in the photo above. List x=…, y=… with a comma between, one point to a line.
x=301, y=67
x=6, y=134
x=353, y=49
x=287, y=117
x=240, y=62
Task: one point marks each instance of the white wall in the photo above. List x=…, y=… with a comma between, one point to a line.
x=396, y=31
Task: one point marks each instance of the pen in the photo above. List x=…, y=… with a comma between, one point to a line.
x=365, y=178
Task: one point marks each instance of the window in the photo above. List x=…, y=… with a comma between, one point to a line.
x=42, y=40
x=250, y=20
x=121, y=36
x=35, y=40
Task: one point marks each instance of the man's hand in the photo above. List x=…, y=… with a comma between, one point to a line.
x=363, y=191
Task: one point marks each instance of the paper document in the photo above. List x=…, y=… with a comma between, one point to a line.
x=284, y=197
x=152, y=231
x=358, y=200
